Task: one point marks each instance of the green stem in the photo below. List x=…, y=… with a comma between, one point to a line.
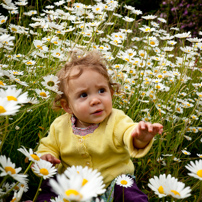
x=5, y=133
x=200, y=194
x=110, y=193
x=4, y=179
x=28, y=167
x=17, y=182
x=37, y=193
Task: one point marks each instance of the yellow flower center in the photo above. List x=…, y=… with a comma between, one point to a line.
x=13, y=29
x=55, y=42
x=84, y=182
x=58, y=54
x=50, y=83
x=43, y=94
x=199, y=173
x=142, y=54
x=39, y=47
x=35, y=157
x=2, y=21
x=10, y=97
x=1, y=83
x=13, y=200
x=152, y=43
x=65, y=200
x=73, y=192
x=44, y=171
x=10, y=169
x=147, y=29
x=161, y=190
x=29, y=63
x=2, y=110
x=175, y=192
x=124, y=182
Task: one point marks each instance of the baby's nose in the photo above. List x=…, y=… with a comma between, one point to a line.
x=95, y=101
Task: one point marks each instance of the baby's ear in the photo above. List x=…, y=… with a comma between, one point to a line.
x=65, y=106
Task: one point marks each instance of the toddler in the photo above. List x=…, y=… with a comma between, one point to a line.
x=92, y=133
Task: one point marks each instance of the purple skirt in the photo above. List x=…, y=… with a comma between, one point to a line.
x=131, y=194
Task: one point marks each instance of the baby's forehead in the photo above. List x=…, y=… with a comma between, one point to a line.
x=79, y=70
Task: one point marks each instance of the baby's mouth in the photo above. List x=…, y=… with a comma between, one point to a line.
x=97, y=111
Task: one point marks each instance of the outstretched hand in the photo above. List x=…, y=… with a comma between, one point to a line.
x=144, y=132
x=51, y=159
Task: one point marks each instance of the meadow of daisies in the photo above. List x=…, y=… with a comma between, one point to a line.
x=158, y=66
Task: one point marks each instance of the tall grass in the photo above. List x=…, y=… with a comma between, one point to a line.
x=159, y=85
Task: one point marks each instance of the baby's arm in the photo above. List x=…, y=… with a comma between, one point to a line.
x=144, y=132
x=50, y=158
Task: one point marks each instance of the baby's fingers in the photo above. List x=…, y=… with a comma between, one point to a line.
x=158, y=128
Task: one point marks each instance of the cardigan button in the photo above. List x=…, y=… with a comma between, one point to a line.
x=88, y=163
x=80, y=140
x=84, y=155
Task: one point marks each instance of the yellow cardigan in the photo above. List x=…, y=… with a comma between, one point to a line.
x=108, y=149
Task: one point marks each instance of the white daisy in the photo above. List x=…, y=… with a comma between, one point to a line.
x=176, y=189
x=169, y=186
x=5, y=188
x=19, y=185
x=124, y=181
x=186, y=152
x=42, y=93
x=30, y=154
x=199, y=155
x=77, y=187
x=8, y=108
x=157, y=184
x=88, y=175
x=183, y=35
x=57, y=199
x=149, y=17
x=51, y=82
x=18, y=195
x=44, y=169
x=8, y=168
x=195, y=168
x=13, y=94
x=29, y=62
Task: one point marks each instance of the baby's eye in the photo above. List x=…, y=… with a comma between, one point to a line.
x=83, y=95
x=102, y=90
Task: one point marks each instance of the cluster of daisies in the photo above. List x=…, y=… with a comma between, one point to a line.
x=79, y=183
x=170, y=186
x=160, y=72
x=75, y=184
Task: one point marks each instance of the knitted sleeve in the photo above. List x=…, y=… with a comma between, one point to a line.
x=123, y=128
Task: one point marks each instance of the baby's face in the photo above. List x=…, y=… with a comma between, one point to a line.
x=89, y=97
